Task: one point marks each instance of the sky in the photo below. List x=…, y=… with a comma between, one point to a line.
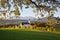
x=57, y=13
x=29, y=12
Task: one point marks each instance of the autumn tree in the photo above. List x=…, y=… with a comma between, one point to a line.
x=40, y=5
x=58, y=19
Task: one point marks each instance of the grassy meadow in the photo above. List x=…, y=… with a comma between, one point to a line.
x=27, y=35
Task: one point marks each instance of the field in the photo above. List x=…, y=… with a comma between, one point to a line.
x=27, y=35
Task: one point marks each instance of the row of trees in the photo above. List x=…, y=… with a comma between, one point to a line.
x=44, y=24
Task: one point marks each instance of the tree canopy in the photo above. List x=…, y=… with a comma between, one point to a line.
x=49, y=6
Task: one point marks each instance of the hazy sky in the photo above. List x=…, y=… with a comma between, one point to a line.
x=28, y=12
x=57, y=13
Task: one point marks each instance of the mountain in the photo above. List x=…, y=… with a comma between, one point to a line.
x=24, y=20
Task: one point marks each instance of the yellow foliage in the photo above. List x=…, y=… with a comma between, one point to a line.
x=30, y=27
x=19, y=25
x=3, y=3
x=48, y=30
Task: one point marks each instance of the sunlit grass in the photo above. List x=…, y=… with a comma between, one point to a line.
x=23, y=29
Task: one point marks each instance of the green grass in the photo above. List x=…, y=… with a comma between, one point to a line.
x=27, y=35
